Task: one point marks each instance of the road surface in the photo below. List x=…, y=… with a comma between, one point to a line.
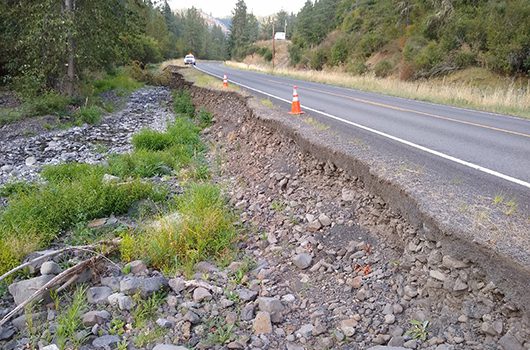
x=493, y=145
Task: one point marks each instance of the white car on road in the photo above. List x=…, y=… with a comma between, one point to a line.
x=189, y=59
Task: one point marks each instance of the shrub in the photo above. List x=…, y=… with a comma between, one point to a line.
x=121, y=81
x=88, y=115
x=339, y=52
x=356, y=68
x=382, y=69
x=205, y=230
x=318, y=59
x=48, y=103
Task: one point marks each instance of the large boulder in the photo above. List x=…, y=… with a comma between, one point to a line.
x=22, y=290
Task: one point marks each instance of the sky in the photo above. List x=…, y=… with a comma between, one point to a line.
x=223, y=8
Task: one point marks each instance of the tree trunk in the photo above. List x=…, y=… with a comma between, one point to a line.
x=70, y=76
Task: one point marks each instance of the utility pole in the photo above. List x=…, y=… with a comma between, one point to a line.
x=273, y=45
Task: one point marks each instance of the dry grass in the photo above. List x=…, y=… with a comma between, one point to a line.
x=505, y=99
x=204, y=80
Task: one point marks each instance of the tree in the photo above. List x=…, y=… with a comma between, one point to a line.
x=239, y=36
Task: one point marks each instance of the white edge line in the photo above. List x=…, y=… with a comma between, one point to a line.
x=405, y=142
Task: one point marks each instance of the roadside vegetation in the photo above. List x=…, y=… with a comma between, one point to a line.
x=497, y=97
x=73, y=194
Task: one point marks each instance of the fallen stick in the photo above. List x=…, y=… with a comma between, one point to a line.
x=57, y=252
x=65, y=275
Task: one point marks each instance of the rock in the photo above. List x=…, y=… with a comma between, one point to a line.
x=144, y=285
x=247, y=294
x=459, y=285
x=163, y=323
x=50, y=268
x=262, y=323
x=200, y=294
x=177, y=284
x=20, y=322
x=96, y=223
x=247, y=313
x=125, y=302
x=288, y=298
x=314, y=226
x=390, y=319
x=438, y=275
x=324, y=220
x=206, y=267
x=95, y=317
x=293, y=346
x=24, y=289
x=410, y=291
x=509, y=342
x=30, y=161
x=348, y=326
x=169, y=347
x=305, y=331
x=106, y=341
x=356, y=282
x=302, y=260
x=111, y=282
x=108, y=179
x=451, y=263
x=98, y=295
x=382, y=347
x=272, y=306
x=51, y=347
x=136, y=267
x=6, y=333
x=347, y=195
x=487, y=328
x=192, y=317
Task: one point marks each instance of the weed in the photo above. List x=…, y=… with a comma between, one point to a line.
x=69, y=321
x=277, y=206
x=498, y=199
x=220, y=332
x=183, y=104
x=48, y=103
x=18, y=187
x=418, y=330
x=510, y=207
x=101, y=148
x=122, y=82
x=267, y=103
x=33, y=219
x=122, y=345
x=146, y=309
x=142, y=164
x=316, y=124
x=152, y=140
x=232, y=296
x=205, y=119
x=88, y=114
x=117, y=326
x=205, y=231
x=149, y=336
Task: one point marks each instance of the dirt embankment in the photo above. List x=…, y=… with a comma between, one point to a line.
x=425, y=249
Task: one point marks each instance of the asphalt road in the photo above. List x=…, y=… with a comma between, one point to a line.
x=496, y=147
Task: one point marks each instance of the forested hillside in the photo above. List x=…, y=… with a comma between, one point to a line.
x=54, y=45
x=413, y=38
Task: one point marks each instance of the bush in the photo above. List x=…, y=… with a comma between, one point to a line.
x=49, y=103
x=356, y=68
x=88, y=114
x=339, y=52
x=318, y=59
x=205, y=230
x=383, y=68
x=121, y=81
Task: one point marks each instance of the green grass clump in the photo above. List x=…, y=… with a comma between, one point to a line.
x=152, y=140
x=88, y=114
x=70, y=172
x=13, y=188
x=205, y=119
x=69, y=321
x=34, y=218
x=48, y=103
x=183, y=104
x=142, y=163
x=205, y=231
x=121, y=81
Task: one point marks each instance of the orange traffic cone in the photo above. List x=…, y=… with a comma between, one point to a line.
x=225, y=81
x=295, y=106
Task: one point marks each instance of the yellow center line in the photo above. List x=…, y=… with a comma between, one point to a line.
x=384, y=105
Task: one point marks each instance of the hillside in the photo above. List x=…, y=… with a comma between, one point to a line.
x=412, y=38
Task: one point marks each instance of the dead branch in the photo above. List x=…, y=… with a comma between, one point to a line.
x=58, y=252
x=68, y=276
